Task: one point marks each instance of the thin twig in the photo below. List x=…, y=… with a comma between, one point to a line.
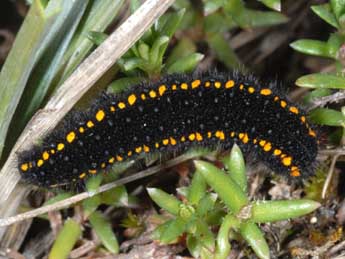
x=92, y=68
x=333, y=98
x=84, y=195
x=329, y=177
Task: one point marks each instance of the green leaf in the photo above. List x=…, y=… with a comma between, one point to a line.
x=197, y=189
x=185, y=64
x=273, y=4
x=168, y=23
x=211, y=6
x=223, y=245
x=229, y=192
x=313, y=47
x=58, y=197
x=97, y=37
x=325, y=13
x=93, y=183
x=254, y=237
x=65, y=240
x=235, y=164
x=222, y=49
x=206, y=204
x=317, y=93
x=327, y=117
x=164, y=200
x=338, y=7
x=117, y=196
x=104, y=231
x=321, y=81
x=171, y=230
x=27, y=47
x=270, y=211
x=183, y=48
x=98, y=16
x=124, y=83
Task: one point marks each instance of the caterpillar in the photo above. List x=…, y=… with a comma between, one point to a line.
x=175, y=113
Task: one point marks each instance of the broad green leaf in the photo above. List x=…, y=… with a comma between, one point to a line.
x=270, y=211
x=117, y=196
x=229, y=192
x=325, y=13
x=313, y=47
x=327, y=117
x=273, y=4
x=185, y=64
x=321, y=81
x=58, y=197
x=235, y=164
x=65, y=240
x=165, y=200
x=255, y=238
x=172, y=230
x=104, y=231
x=223, y=245
x=197, y=189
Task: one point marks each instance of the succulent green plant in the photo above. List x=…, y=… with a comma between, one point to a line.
x=192, y=217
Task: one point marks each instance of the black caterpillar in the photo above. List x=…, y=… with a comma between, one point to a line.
x=175, y=113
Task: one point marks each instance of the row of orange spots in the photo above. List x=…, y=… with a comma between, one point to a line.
x=295, y=110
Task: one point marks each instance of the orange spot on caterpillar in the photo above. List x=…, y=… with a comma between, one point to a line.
x=121, y=105
x=103, y=165
x=90, y=124
x=283, y=104
x=111, y=160
x=70, y=137
x=294, y=109
x=165, y=142
x=112, y=108
x=184, y=86
x=45, y=155
x=265, y=91
x=276, y=98
x=129, y=153
x=183, y=139
x=143, y=97
x=24, y=167
x=81, y=130
x=92, y=171
x=162, y=89
x=40, y=162
x=220, y=135
x=241, y=86
x=303, y=119
x=262, y=142
x=119, y=158
x=277, y=152
x=82, y=175
x=232, y=134
x=251, y=89
x=207, y=84
x=60, y=146
x=287, y=161
x=146, y=149
x=199, y=137
x=312, y=133
x=217, y=84
x=295, y=172
x=191, y=137
x=152, y=94
x=52, y=151
x=174, y=87
x=172, y=141
x=196, y=83
x=132, y=99
x=100, y=115
x=157, y=145
x=229, y=84
x=138, y=149
x=267, y=146
x=209, y=134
